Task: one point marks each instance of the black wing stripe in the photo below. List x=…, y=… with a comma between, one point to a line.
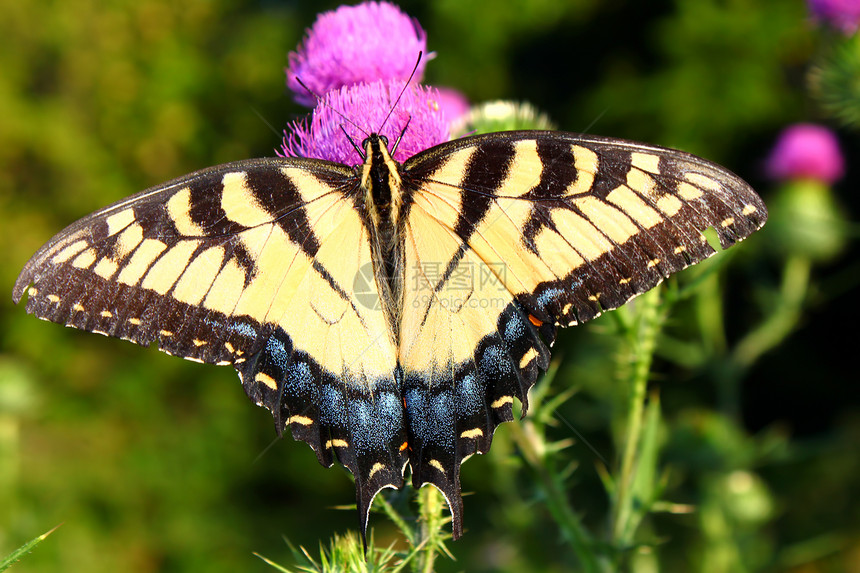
x=487, y=168
x=272, y=189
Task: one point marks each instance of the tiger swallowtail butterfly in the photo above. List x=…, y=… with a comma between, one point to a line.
x=390, y=314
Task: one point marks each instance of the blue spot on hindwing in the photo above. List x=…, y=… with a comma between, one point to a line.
x=333, y=407
x=549, y=296
x=495, y=363
x=515, y=328
x=375, y=423
x=245, y=329
x=431, y=418
x=300, y=382
x=277, y=351
x=470, y=396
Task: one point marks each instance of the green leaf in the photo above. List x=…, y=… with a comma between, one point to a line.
x=24, y=549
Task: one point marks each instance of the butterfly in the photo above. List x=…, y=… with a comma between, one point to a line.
x=390, y=314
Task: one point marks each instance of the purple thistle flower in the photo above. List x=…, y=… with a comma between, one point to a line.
x=368, y=105
x=806, y=151
x=356, y=44
x=844, y=15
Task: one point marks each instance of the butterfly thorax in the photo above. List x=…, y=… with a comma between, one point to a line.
x=383, y=200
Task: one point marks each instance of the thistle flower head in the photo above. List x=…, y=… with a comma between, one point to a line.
x=843, y=15
x=322, y=136
x=354, y=44
x=806, y=151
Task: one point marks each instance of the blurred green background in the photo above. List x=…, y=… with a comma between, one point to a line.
x=158, y=464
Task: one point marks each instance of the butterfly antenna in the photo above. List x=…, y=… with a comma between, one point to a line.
x=400, y=95
x=399, y=137
x=358, y=150
x=321, y=101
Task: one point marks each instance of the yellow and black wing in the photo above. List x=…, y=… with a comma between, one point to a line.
x=252, y=264
x=511, y=235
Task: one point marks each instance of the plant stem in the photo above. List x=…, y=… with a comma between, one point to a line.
x=795, y=282
x=431, y=506
x=643, y=341
x=767, y=335
x=556, y=498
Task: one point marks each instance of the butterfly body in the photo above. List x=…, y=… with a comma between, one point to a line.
x=390, y=314
x=381, y=186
